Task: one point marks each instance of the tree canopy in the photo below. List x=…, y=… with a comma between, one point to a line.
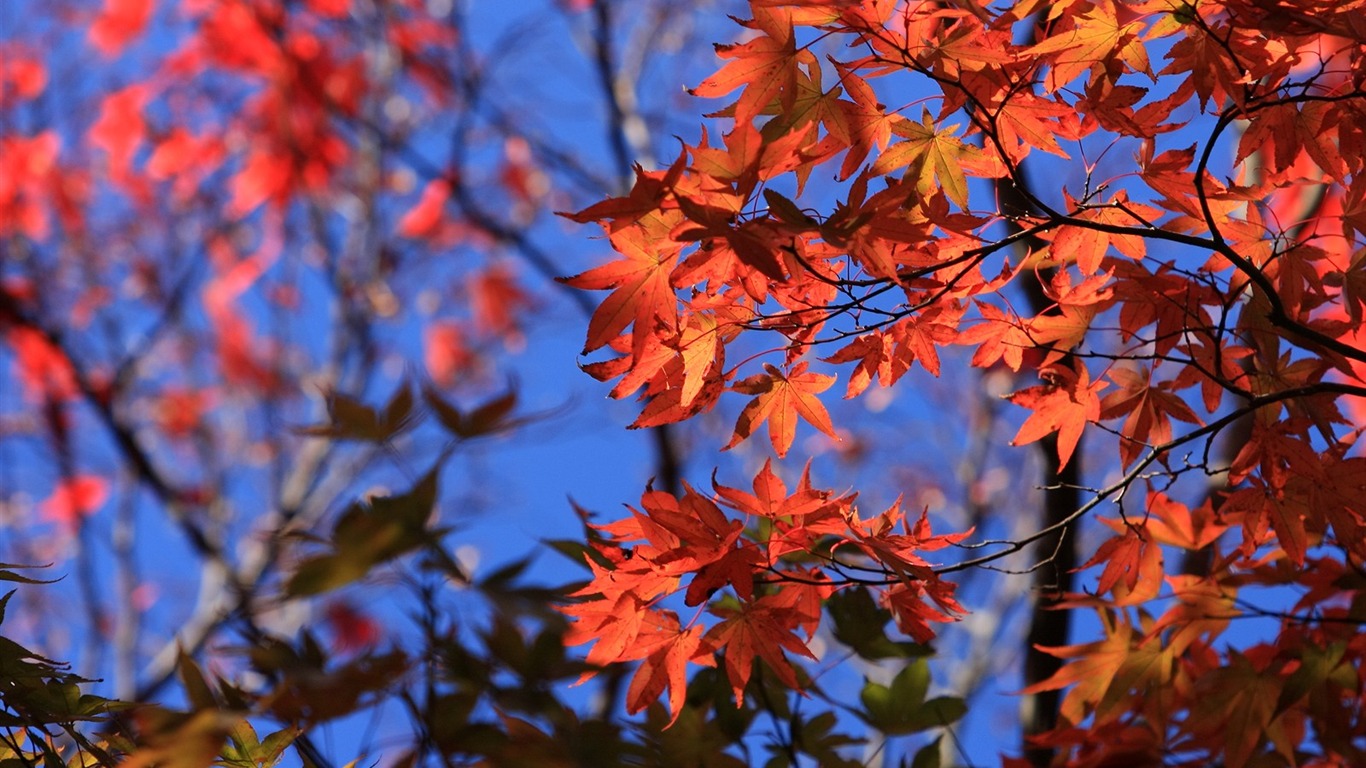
x=981, y=347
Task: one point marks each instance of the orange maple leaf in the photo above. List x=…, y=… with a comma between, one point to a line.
x=642, y=292
x=1132, y=560
x=1064, y=405
x=780, y=398
x=998, y=337
x=760, y=627
x=1173, y=523
x=933, y=155
x=1148, y=408
x=1097, y=39
x=766, y=67
x=666, y=669
x=1104, y=672
x=770, y=498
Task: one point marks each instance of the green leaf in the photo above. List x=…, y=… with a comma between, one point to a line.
x=8, y=575
x=197, y=690
x=272, y=749
x=815, y=737
x=901, y=708
x=350, y=419
x=369, y=534
x=940, y=711
x=928, y=755
x=490, y=417
x=860, y=624
x=486, y=419
x=911, y=683
x=324, y=574
x=1316, y=665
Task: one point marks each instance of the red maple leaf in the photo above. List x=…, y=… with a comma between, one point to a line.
x=119, y=22
x=120, y=129
x=762, y=628
x=74, y=499
x=1132, y=559
x=765, y=66
x=424, y=218
x=1064, y=405
x=666, y=669
x=1148, y=408
x=641, y=292
x=779, y=399
x=352, y=629
x=44, y=371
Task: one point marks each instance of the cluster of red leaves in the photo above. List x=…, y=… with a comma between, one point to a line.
x=1223, y=296
x=243, y=109
x=755, y=572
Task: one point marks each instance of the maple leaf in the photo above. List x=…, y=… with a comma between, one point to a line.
x=804, y=596
x=352, y=629
x=45, y=373
x=332, y=8
x=779, y=399
x=1064, y=405
x=1032, y=120
x=1201, y=612
x=735, y=568
x=1259, y=507
x=873, y=351
x=74, y=499
x=702, y=353
x=181, y=155
x=119, y=129
x=1102, y=673
x=770, y=498
x=934, y=155
x=1281, y=133
x=25, y=163
x=646, y=195
x=613, y=625
x=765, y=67
x=1173, y=523
x=180, y=411
x=642, y=294
x=693, y=535
x=763, y=628
x=907, y=602
x=1097, y=37
x=1213, y=77
x=1240, y=700
x=446, y=353
x=1148, y=409
x=1060, y=332
x=666, y=669
x=265, y=175
x=21, y=75
x=998, y=338
x=496, y=301
x=424, y=218
x=861, y=124
x=1132, y=560
x=118, y=23
x=900, y=551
